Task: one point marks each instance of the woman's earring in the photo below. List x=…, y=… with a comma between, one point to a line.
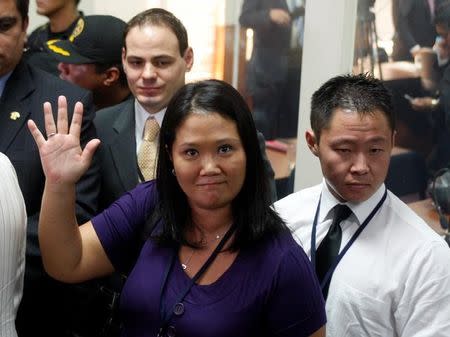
x=173, y=172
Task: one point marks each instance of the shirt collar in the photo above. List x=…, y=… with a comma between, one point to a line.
x=361, y=209
x=3, y=80
x=142, y=115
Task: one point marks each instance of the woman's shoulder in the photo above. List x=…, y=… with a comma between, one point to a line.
x=285, y=274
x=134, y=205
x=145, y=192
x=280, y=248
x=148, y=186
x=283, y=241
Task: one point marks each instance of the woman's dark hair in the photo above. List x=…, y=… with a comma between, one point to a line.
x=252, y=214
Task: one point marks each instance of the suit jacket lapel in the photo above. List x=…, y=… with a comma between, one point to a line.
x=123, y=148
x=14, y=105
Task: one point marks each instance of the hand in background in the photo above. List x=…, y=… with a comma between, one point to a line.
x=415, y=50
x=280, y=17
x=62, y=158
x=423, y=103
x=441, y=48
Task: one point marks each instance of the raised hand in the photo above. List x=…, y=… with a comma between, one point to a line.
x=63, y=160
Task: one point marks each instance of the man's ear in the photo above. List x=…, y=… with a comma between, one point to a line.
x=112, y=75
x=124, y=57
x=189, y=58
x=25, y=23
x=312, y=143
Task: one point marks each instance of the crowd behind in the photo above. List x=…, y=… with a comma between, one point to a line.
x=134, y=204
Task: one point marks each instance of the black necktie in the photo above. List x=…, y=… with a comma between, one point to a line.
x=329, y=248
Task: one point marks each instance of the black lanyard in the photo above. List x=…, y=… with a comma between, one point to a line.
x=166, y=315
x=347, y=246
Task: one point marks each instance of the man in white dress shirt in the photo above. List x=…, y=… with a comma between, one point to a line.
x=393, y=276
x=13, y=221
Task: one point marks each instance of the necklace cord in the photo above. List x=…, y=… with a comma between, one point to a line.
x=166, y=315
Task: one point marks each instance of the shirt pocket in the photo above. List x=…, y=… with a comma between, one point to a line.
x=355, y=313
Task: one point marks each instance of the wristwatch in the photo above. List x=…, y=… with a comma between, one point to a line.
x=434, y=102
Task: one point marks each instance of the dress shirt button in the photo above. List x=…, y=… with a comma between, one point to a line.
x=171, y=332
x=178, y=309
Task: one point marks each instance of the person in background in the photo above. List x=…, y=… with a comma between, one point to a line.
x=13, y=222
x=65, y=22
x=215, y=243
x=93, y=59
x=414, y=28
x=156, y=57
x=438, y=106
x=382, y=269
x=47, y=307
x=273, y=76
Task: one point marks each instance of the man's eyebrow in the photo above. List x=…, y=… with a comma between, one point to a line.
x=377, y=139
x=161, y=56
x=345, y=140
x=7, y=21
x=8, y=18
x=342, y=140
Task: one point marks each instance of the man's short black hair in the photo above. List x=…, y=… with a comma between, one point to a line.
x=22, y=7
x=160, y=17
x=361, y=93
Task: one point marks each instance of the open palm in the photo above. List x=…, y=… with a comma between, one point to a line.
x=63, y=160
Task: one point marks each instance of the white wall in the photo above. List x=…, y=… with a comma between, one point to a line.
x=328, y=51
x=124, y=9
x=35, y=20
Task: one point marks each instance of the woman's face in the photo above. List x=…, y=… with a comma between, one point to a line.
x=209, y=160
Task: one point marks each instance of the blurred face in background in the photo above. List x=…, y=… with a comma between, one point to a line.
x=50, y=7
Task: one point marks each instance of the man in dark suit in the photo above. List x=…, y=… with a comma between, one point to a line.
x=273, y=74
x=156, y=57
x=44, y=310
x=414, y=27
